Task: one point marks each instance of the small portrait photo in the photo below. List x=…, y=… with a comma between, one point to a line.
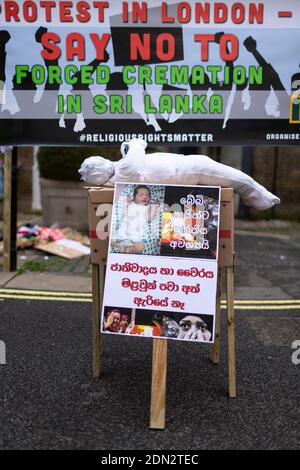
x=117, y=320
x=137, y=218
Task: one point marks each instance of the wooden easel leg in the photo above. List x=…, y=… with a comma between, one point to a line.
x=231, y=331
x=97, y=302
x=215, y=351
x=159, y=380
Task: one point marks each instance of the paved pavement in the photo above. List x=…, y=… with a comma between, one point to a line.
x=48, y=399
x=47, y=281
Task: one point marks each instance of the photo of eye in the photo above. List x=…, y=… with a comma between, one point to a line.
x=192, y=327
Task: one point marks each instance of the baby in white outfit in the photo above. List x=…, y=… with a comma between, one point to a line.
x=132, y=233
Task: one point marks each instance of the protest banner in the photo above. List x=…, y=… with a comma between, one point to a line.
x=162, y=270
x=174, y=73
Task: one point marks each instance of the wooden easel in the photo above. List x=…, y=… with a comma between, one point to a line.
x=99, y=247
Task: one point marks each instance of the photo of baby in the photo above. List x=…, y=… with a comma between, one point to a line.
x=137, y=219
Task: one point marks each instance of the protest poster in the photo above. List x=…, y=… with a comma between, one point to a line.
x=162, y=267
x=171, y=72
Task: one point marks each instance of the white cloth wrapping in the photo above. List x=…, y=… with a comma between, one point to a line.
x=171, y=168
x=95, y=171
x=134, y=223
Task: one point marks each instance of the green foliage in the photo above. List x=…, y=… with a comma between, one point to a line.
x=32, y=266
x=53, y=264
x=63, y=163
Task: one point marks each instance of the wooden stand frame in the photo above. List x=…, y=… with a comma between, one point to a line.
x=99, y=247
